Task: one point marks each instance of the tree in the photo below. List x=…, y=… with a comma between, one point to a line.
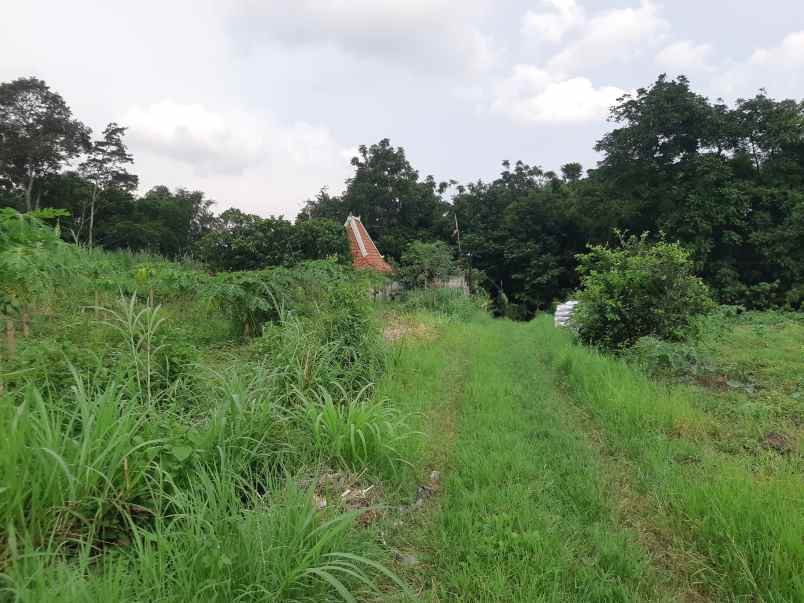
x=635, y=290
x=423, y=264
x=105, y=167
x=572, y=172
x=319, y=239
x=393, y=203
x=37, y=135
x=244, y=241
x=323, y=206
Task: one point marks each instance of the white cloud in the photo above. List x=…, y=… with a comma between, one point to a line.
x=788, y=54
x=778, y=68
x=617, y=35
x=551, y=26
x=531, y=95
x=195, y=134
x=235, y=155
x=438, y=34
x=685, y=57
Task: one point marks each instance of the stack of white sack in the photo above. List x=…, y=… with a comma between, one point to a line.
x=564, y=313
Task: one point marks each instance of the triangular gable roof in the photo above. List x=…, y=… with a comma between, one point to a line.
x=364, y=252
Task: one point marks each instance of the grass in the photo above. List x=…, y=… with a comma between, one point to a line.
x=524, y=515
x=741, y=510
x=574, y=476
x=151, y=451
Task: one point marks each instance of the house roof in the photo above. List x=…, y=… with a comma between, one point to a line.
x=364, y=252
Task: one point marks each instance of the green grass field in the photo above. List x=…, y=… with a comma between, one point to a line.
x=172, y=436
x=571, y=476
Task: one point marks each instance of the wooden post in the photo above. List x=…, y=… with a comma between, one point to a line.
x=11, y=338
x=25, y=320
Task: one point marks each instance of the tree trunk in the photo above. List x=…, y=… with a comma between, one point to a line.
x=28, y=191
x=92, y=215
x=25, y=321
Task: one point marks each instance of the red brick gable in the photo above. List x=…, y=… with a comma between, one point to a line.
x=364, y=252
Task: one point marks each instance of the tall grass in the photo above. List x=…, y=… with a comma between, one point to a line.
x=356, y=432
x=156, y=460
x=452, y=303
x=217, y=544
x=743, y=513
x=72, y=469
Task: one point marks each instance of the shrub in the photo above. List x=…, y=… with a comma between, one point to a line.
x=636, y=290
x=425, y=263
x=670, y=358
x=451, y=303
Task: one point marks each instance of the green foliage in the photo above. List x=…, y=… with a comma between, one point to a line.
x=246, y=298
x=451, y=303
x=320, y=239
x=356, y=432
x=37, y=135
x=25, y=241
x=424, y=264
x=332, y=292
x=239, y=241
x=72, y=467
x=701, y=472
x=635, y=290
x=393, y=203
x=281, y=549
x=154, y=453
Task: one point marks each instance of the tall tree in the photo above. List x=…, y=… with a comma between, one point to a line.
x=572, y=172
x=395, y=205
x=105, y=167
x=38, y=135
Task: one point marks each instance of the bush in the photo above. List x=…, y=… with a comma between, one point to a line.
x=451, y=303
x=668, y=358
x=636, y=290
x=425, y=263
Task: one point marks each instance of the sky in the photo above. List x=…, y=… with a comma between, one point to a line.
x=260, y=104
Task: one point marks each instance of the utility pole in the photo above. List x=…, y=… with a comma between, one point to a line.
x=457, y=233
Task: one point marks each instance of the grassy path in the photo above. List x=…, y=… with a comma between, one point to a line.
x=524, y=514
x=556, y=491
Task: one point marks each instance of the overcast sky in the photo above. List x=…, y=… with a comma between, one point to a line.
x=260, y=104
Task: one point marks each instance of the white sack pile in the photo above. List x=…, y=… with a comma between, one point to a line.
x=564, y=312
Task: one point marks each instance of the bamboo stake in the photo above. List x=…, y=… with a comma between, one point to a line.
x=25, y=320
x=11, y=338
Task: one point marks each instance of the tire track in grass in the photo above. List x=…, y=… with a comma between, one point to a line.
x=732, y=522
x=427, y=380
x=524, y=514
x=678, y=565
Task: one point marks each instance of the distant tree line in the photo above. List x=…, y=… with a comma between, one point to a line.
x=48, y=158
x=726, y=182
